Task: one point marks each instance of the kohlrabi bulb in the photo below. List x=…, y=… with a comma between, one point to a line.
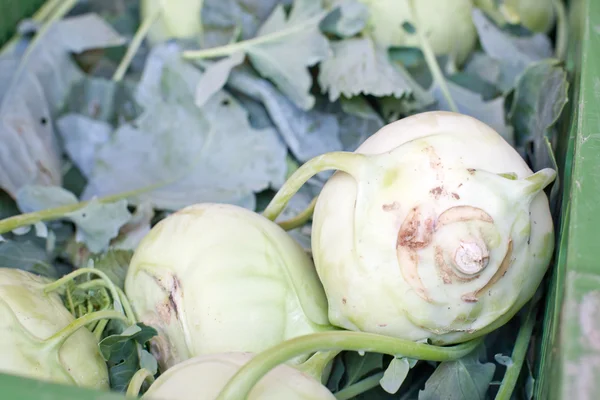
x=535, y=15
x=442, y=232
x=203, y=378
x=447, y=25
x=37, y=337
x=215, y=278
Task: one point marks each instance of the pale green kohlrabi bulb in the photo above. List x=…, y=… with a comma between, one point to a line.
x=444, y=232
x=36, y=336
x=203, y=378
x=536, y=15
x=447, y=25
x=217, y=278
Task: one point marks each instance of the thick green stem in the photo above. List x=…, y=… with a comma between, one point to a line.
x=253, y=371
x=135, y=43
x=299, y=219
x=518, y=356
x=99, y=329
x=316, y=364
x=431, y=61
x=136, y=382
x=562, y=30
x=351, y=163
x=57, y=284
x=56, y=340
x=359, y=387
x=11, y=223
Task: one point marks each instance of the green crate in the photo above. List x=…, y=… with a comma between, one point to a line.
x=568, y=350
x=11, y=12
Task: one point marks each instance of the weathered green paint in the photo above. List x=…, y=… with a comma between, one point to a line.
x=569, y=362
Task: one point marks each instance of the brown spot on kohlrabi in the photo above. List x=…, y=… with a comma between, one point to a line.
x=416, y=230
x=506, y=262
x=391, y=206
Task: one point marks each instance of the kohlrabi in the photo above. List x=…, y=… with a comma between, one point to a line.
x=446, y=24
x=176, y=19
x=435, y=228
x=215, y=278
x=535, y=15
x=39, y=338
x=203, y=378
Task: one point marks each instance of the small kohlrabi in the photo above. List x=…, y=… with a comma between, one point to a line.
x=40, y=339
x=447, y=25
x=176, y=19
x=435, y=228
x=535, y=15
x=215, y=278
x=203, y=378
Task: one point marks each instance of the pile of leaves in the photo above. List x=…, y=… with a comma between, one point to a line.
x=103, y=133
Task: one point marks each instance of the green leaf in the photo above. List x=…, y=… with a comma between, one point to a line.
x=358, y=66
x=215, y=76
x=466, y=378
x=8, y=206
x=32, y=90
x=347, y=19
x=395, y=374
x=27, y=256
x=114, y=263
x=290, y=45
x=121, y=354
x=334, y=383
x=358, y=366
x=97, y=223
x=539, y=99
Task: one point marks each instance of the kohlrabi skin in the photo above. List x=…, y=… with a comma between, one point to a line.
x=215, y=278
x=447, y=25
x=177, y=19
x=436, y=229
x=40, y=339
x=203, y=378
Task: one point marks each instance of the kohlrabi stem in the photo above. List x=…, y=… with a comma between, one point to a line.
x=351, y=163
x=240, y=385
x=59, y=337
x=562, y=30
x=99, y=329
x=232, y=48
x=316, y=364
x=57, y=284
x=518, y=356
x=135, y=43
x=359, y=387
x=299, y=219
x=431, y=60
x=11, y=223
x=136, y=382
x=108, y=285
x=45, y=11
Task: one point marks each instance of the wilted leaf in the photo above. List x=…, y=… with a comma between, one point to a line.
x=97, y=223
x=307, y=133
x=191, y=152
x=135, y=229
x=222, y=19
x=34, y=92
x=347, y=19
x=358, y=66
x=465, y=378
x=215, y=76
x=287, y=46
x=514, y=52
x=27, y=256
x=469, y=103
